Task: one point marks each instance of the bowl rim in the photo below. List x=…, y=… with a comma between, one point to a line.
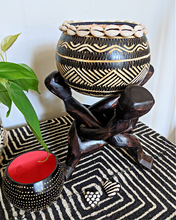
x=58, y=163
x=100, y=29
x=104, y=23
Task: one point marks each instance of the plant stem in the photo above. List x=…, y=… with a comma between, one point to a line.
x=2, y=57
x=5, y=56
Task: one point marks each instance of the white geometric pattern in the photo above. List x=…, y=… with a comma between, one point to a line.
x=143, y=194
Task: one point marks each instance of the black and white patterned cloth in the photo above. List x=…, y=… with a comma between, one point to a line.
x=143, y=194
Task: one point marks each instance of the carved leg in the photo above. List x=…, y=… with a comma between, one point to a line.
x=134, y=148
x=132, y=124
x=77, y=149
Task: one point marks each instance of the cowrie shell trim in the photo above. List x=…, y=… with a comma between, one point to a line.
x=111, y=30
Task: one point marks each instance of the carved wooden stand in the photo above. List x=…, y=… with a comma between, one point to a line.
x=110, y=120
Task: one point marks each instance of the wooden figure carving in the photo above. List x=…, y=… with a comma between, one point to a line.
x=103, y=59
x=117, y=117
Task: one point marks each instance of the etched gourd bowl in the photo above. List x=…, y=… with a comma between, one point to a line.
x=30, y=184
x=102, y=58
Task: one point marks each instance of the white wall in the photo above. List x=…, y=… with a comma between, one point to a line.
x=39, y=21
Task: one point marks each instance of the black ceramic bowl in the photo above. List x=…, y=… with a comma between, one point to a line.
x=102, y=58
x=31, y=185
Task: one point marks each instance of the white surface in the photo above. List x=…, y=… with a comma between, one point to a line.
x=39, y=21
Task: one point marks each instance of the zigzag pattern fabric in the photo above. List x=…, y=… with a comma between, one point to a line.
x=143, y=194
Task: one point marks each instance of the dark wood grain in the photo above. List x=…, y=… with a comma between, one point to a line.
x=134, y=148
x=110, y=120
x=78, y=148
x=134, y=102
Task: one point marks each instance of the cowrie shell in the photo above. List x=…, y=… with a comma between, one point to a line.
x=64, y=28
x=65, y=22
x=145, y=30
x=111, y=188
x=126, y=31
x=82, y=31
x=71, y=30
x=72, y=27
x=67, y=25
x=143, y=26
x=71, y=21
x=112, y=30
x=60, y=27
x=138, y=32
x=97, y=31
x=134, y=22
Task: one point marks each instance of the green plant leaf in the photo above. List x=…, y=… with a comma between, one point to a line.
x=27, y=67
x=4, y=96
x=21, y=74
x=6, y=100
x=13, y=71
x=30, y=83
x=27, y=84
x=2, y=88
x=8, y=41
x=25, y=107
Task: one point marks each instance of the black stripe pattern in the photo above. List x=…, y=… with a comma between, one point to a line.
x=111, y=188
x=143, y=194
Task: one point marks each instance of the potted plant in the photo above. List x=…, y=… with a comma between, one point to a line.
x=14, y=80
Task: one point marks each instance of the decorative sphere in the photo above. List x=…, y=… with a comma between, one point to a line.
x=102, y=58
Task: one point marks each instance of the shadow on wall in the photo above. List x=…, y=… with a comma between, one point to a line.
x=43, y=64
x=172, y=136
